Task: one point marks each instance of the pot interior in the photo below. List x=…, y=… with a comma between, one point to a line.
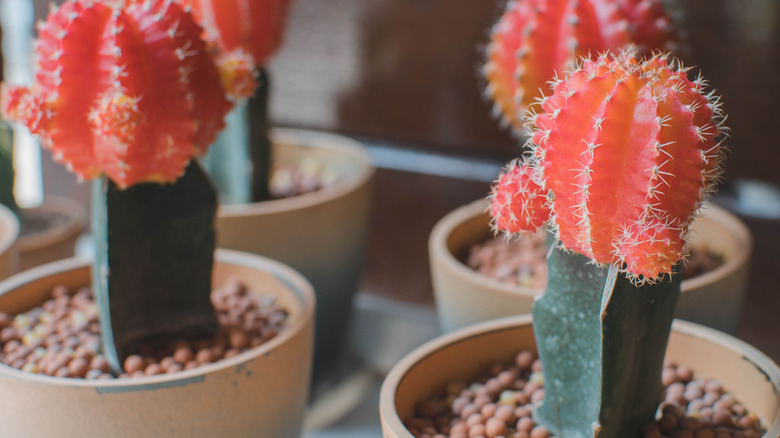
x=33, y=287
x=468, y=233
x=445, y=363
x=718, y=230
x=334, y=153
x=464, y=354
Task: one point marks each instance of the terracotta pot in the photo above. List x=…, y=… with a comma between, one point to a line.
x=321, y=234
x=751, y=376
x=57, y=242
x=261, y=392
x=464, y=296
x=9, y=233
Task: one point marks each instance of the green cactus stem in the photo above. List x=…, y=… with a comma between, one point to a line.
x=259, y=139
x=7, y=169
x=154, y=254
x=602, y=340
x=246, y=140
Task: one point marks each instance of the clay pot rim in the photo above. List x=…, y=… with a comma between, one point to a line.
x=437, y=243
x=301, y=289
x=9, y=229
x=397, y=374
x=310, y=139
x=77, y=221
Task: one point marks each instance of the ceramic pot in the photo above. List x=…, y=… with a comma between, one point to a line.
x=321, y=234
x=464, y=296
x=55, y=242
x=9, y=233
x=261, y=392
x=752, y=377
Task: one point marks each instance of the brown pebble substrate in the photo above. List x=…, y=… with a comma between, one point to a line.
x=523, y=261
x=499, y=404
x=62, y=337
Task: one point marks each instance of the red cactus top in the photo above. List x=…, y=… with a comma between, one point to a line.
x=625, y=151
x=125, y=88
x=254, y=26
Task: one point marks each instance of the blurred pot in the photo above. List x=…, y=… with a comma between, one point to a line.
x=464, y=296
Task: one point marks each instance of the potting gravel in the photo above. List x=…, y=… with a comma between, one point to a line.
x=62, y=337
x=499, y=404
x=522, y=260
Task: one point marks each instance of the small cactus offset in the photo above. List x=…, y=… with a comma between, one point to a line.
x=624, y=151
x=538, y=40
x=127, y=92
x=518, y=204
x=123, y=88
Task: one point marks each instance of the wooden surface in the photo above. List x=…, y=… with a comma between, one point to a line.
x=404, y=71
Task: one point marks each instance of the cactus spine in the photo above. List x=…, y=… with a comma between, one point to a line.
x=624, y=151
x=127, y=93
x=537, y=40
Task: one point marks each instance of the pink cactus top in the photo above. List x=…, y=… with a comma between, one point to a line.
x=254, y=26
x=624, y=153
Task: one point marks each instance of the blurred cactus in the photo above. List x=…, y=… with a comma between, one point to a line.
x=126, y=91
x=624, y=151
x=254, y=27
x=537, y=40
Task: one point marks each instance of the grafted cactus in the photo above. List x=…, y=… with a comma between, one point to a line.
x=253, y=26
x=127, y=91
x=627, y=150
x=624, y=151
x=256, y=28
x=537, y=40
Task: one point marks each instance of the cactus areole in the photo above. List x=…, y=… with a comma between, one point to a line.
x=537, y=40
x=623, y=152
x=126, y=92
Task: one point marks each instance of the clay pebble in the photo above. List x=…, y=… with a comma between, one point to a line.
x=500, y=401
x=62, y=336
